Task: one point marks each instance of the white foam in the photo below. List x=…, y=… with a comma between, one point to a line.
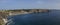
x=5, y=21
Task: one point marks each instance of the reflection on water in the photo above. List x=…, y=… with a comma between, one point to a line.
x=51, y=18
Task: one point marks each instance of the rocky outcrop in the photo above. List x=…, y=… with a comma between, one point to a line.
x=3, y=18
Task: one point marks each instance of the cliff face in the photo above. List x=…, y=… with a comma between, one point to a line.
x=14, y=12
x=3, y=15
x=23, y=11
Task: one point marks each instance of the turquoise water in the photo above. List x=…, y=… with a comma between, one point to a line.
x=51, y=18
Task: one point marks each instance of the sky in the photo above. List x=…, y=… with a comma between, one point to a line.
x=29, y=4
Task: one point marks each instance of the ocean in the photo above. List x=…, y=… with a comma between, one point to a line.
x=48, y=18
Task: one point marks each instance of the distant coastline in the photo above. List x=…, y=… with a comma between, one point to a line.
x=22, y=11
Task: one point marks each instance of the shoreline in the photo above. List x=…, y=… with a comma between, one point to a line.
x=5, y=14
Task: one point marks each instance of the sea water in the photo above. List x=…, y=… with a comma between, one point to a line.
x=48, y=18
